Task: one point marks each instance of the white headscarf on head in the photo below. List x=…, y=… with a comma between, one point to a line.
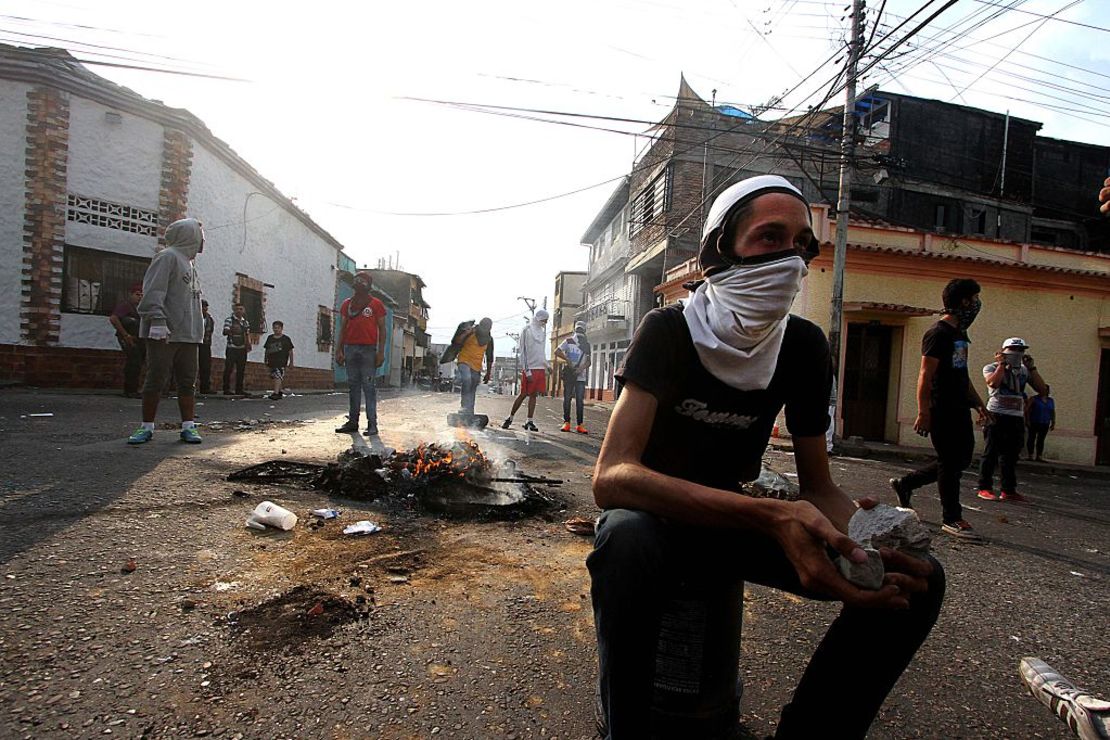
x=533, y=353
x=738, y=316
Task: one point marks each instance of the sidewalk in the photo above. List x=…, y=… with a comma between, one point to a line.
x=903, y=453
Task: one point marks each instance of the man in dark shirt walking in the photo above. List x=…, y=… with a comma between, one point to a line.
x=944, y=396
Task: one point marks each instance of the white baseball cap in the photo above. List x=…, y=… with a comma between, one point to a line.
x=1015, y=343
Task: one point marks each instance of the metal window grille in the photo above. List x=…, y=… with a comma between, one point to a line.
x=111, y=215
x=652, y=202
x=94, y=281
x=252, y=301
x=323, y=327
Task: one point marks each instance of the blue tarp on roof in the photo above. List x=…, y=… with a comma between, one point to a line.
x=728, y=110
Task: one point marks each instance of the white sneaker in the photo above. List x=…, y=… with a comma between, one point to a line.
x=1088, y=717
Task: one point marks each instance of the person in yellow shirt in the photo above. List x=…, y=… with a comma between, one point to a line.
x=477, y=342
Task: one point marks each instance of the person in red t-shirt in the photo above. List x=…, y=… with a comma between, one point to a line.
x=362, y=350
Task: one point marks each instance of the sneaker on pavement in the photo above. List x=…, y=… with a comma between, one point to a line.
x=987, y=495
x=960, y=529
x=530, y=426
x=507, y=423
x=191, y=435
x=903, y=492
x=351, y=427
x=581, y=429
x=275, y=396
x=565, y=427
x=1015, y=497
x=1086, y=715
x=371, y=432
x=140, y=436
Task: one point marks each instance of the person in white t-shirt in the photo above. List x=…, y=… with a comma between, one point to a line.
x=1006, y=378
x=575, y=352
x=533, y=368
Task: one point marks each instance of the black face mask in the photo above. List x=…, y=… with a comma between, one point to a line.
x=965, y=317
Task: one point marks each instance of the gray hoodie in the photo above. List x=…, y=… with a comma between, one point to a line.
x=171, y=290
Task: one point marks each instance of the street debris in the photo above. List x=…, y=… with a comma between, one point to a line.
x=363, y=527
x=40, y=416
x=454, y=480
x=771, y=484
x=129, y=566
x=326, y=513
x=275, y=470
x=239, y=494
x=581, y=526
x=269, y=514
x=288, y=621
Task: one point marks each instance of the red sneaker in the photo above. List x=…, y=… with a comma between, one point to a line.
x=1014, y=496
x=581, y=429
x=987, y=495
x=565, y=427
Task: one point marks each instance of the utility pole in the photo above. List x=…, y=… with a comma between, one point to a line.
x=844, y=198
x=530, y=303
x=516, y=357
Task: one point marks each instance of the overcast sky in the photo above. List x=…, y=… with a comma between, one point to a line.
x=323, y=113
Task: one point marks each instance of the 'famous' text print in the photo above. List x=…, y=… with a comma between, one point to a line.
x=699, y=411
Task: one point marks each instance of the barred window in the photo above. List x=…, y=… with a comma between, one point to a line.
x=111, y=215
x=324, y=323
x=94, y=281
x=652, y=202
x=256, y=314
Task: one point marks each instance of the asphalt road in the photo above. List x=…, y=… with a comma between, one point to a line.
x=464, y=629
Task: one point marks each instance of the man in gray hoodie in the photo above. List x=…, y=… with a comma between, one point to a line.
x=172, y=323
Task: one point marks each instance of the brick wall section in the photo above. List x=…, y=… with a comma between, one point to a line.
x=177, y=167
x=58, y=367
x=44, y=215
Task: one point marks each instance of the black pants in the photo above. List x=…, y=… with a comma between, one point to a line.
x=204, y=365
x=1037, y=434
x=1005, y=436
x=953, y=438
x=235, y=359
x=638, y=556
x=577, y=390
x=133, y=357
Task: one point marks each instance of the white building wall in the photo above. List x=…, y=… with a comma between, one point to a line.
x=13, y=193
x=115, y=162
x=270, y=245
x=119, y=162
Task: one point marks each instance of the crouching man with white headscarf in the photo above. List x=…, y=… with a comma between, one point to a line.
x=533, y=368
x=702, y=388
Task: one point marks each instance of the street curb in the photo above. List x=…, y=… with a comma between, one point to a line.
x=912, y=455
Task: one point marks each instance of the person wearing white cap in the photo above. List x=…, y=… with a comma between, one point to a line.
x=703, y=385
x=575, y=352
x=1006, y=378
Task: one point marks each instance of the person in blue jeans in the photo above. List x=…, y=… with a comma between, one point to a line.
x=362, y=351
x=703, y=386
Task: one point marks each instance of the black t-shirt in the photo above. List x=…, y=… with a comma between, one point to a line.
x=710, y=433
x=949, y=346
x=277, y=350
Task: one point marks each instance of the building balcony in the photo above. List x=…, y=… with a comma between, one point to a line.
x=609, y=313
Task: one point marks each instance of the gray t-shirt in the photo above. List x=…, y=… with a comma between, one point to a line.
x=1008, y=398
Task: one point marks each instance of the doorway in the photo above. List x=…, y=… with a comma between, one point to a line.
x=1102, y=411
x=866, y=382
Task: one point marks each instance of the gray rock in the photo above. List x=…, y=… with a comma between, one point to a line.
x=868, y=575
x=890, y=526
x=772, y=484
